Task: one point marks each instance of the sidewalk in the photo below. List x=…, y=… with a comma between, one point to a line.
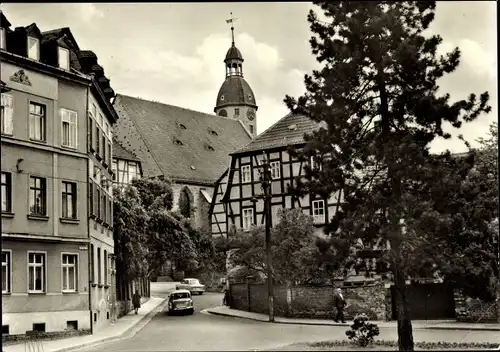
x=126, y=326
x=417, y=324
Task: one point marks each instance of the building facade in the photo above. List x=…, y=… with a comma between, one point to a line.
x=56, y=167
x=236, y=203
x=45, y=284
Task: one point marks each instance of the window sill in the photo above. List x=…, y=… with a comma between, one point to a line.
x=92, y=216
x=38, y=141
x=105, y=164
x=92, y=150
x=98, y=157
x=6, y=293
x=38, y=217
x=99, y=221
x=94, y=285
x=100, y=285
x=7, y=215
x=69, y=221
x=36, y=293
x=106, y=286
x=69, y=147
x=70, y=292
x=7, y=134
x=106, y=225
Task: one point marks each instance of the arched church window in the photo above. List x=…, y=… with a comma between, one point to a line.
x=223, y=112
x=185, y=204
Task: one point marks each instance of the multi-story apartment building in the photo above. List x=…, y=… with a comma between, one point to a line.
x=56, y=169
x=45, y=240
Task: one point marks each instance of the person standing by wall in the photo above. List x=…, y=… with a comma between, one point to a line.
x=340, y=303
x=136, y=301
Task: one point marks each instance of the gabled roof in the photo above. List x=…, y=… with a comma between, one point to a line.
x=185, y=145
x=57, y=34
x=287, y=131
x=119, y=152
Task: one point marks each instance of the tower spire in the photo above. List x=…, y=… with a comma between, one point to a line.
x=232, y=20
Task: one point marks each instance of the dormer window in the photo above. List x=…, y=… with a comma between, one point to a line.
x=33, y=48
x=63, y=55
x=3, y=40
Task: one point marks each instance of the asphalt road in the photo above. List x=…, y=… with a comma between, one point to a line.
x=209, y=332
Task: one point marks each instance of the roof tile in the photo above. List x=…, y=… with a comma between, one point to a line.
x=158, y=125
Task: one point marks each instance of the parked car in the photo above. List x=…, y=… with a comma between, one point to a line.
x=180, y=301
x=192, y=285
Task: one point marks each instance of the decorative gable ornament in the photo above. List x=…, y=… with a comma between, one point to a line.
x=20, y=77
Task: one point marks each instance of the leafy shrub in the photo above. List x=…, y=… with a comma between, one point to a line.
x=362, y=332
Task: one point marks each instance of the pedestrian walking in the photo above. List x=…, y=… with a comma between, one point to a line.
x=136, y=301
x=340, y=303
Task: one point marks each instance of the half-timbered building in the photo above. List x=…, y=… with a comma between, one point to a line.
x=237, y=200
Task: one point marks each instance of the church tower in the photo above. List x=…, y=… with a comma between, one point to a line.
x=236, y=98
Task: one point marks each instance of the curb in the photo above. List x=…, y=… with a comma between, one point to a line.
x=347, y=325
x=126, y=334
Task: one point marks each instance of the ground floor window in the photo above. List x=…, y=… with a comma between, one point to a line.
x=36, y=272
x=69, y=272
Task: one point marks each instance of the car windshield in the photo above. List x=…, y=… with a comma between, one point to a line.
x=194, y=282
x=180, y=295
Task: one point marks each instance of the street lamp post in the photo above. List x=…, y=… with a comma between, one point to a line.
x=266, y=185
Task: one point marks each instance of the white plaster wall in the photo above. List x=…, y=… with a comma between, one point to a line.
x=19, y=323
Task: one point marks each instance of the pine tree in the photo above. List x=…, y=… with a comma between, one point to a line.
x=377, y=94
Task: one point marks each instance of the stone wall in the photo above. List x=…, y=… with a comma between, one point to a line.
x=309, y=301
x=474, y=310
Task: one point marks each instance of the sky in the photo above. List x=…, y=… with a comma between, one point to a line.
x=173, y=52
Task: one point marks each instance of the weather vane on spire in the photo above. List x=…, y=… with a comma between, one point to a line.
x=232, y=20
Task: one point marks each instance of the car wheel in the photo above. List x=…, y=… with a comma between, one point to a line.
x=200, y=293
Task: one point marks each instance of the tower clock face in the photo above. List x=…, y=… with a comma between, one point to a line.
x=251, y=114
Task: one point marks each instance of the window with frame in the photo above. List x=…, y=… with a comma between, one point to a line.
x=97, y=140
x=6, y=272
x=38, y=196
x=110, y=221
x=314, y=163
x=33, y=48
x=251, y=128
x=99, y=267
x=110, y=153
x=318, y=208
x=98, y=201
x=7, y=113
x=236, y=112
x=91, y=197
x=246, y=174
x=69, y=128
x=103, y=148
x=247, y=218
x=36, y=272
x=69, y=200
x=37, y=121
x=63, y=56
x=275, y=169
x=6, y=192
x=114, y=167
x=104, y=206
x=90, y=133
x=3, y=38
x=101, y=120
x=105, y=267
x=69, y=272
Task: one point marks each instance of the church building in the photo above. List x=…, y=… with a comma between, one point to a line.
x=187, y=147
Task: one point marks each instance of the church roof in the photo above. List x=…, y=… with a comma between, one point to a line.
x=119, y=152
x=233, y=53
x=235, y=91
x=181, y=144
x=289, y=130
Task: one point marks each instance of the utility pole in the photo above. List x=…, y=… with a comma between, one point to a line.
x=266, y=185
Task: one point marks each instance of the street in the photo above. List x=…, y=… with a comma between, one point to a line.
x=209, y=332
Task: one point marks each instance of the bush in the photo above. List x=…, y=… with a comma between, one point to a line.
x=362, y=332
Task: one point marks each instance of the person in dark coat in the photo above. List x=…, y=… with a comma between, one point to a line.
x=340, y=303
x=136, y=301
